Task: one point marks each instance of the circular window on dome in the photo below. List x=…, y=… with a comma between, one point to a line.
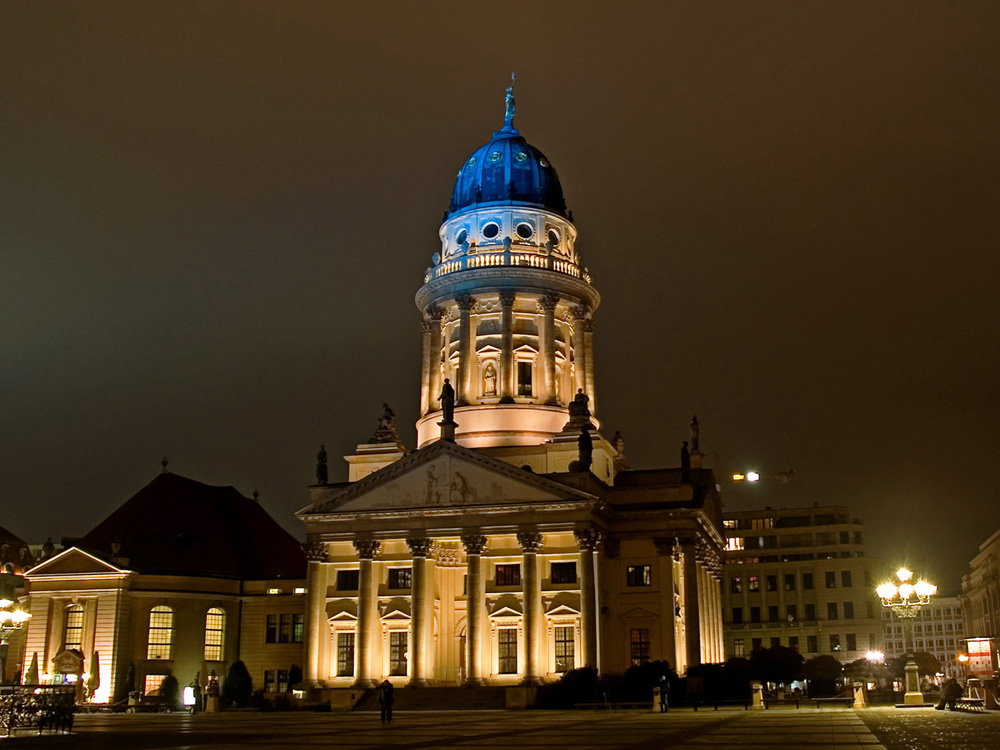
x=472, y=161
x=521, y=156
x=543, y=162
x=496, y=156
x=462, y=236
x=554, y=237
x=491, y=230
x=524, y=230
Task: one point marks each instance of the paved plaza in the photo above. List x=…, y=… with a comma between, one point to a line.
x=681, y=729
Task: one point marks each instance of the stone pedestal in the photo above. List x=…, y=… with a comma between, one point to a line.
x=913, y=697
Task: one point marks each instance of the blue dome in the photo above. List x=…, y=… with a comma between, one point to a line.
x=507, y=171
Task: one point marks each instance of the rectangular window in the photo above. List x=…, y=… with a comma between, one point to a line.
x=793, y=612
x=270, y=678
x=775, y=641
x=638, y=575
x=161, y=633
x=852, y=642
x=848, y=610
x=524, y=379
x=772, y=583
x=397, y=652
x=639, y=646
x=793, y=642
x=271, y=629
x=754, y=614
x=772, y=613
x=831, y=579
x=508, y=575
x=737, y=615
x=298, y=627
x=347, y=580
x=834, y=642
x=74, y=628
x=345, y=654
x=400, y=578
x=810, y=611
x=807, y=581
x=845, y=579
x=507, y=650
x=738, y=647
x=285, y=629
x=831, y=610
x=812, y=644
x=735, y=585
x=789, y=582
x=282, y=680
x=754, y=583
x=563, y=572
x=756, y=644
x=565, y=649
x=152, y=684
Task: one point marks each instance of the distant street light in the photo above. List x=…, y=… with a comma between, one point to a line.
x=906, y=600
x=756, y=476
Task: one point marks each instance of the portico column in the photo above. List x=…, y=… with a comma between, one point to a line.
x=530, y=542
x=588, y=339
x=475, y=545
x=589, y=541
x=720, y=637
x=419, y=614
x=367, y=549
x=316, y=626
x=548, y=303
x=692, y=621
x=465, y=352
x=579, y=349
x=434, y=315
x=668, y=643
x=507, y=347
x=425, y=366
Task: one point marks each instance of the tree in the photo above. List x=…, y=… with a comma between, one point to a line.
x=238, y=686
x=822, y=672
x=927, y=664
x=779, y=664
x=170, y=692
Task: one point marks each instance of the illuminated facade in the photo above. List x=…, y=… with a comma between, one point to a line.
x=981, y=591
x=494, y=554
x=798, y=577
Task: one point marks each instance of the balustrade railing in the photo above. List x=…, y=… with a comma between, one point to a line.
x=507, y=258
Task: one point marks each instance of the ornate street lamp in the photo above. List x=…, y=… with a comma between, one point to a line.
x=12, y=618
x=905, y=600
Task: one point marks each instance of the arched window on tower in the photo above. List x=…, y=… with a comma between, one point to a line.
x=215, y=629
x=161, y=633
x=73, y=633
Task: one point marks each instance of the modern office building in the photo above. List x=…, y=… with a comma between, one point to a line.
x=939, y=630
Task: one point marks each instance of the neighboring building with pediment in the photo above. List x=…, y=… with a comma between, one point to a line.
x=515, y=543
x=183, y=579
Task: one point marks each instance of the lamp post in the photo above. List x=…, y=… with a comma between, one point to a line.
x=12, y=617
x=905, y=600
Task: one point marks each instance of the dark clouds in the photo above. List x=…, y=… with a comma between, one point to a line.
x=216, y=216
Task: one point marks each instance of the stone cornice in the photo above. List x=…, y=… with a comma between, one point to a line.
x=520, y=278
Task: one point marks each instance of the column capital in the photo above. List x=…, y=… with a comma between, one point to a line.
x=530, y=541
x=316, y=551
x=507, y=297
x=434, y=313
x=475, y=544
x=419, y=546
x=589, y=540
x=465, y=301
x=426, y=325
x=549, y=301
x=367, y=548
x=665, y=546
x=580, y=312
x=588, y=325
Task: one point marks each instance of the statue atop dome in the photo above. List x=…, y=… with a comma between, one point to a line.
x=508, y=115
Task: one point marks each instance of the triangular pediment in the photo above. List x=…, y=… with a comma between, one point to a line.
x=505, y=612
x=73, y=561
x=562, y=610
x=637, y=613
x=445, y=475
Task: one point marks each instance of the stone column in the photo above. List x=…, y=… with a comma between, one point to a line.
x=466, y=354
x=589, y=541
x=530, y=542
x=317, y=633
x=425, y=366
x=420, y=626
x=475, y=545
x=548, y=304
x=692, y=620
x=588, y=339
x=367, y=549
x=580, y=314
x=668, y=643
x=507, y=347
x=434, y=315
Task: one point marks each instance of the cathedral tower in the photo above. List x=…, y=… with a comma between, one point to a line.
x=507, y=305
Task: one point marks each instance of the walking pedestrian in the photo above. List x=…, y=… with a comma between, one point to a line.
x=385, y=701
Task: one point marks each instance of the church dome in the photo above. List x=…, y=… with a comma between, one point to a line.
x=507, y=171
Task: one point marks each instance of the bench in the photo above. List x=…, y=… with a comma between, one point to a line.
x=971, y=704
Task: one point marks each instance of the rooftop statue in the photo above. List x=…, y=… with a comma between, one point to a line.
x=386, y=432
x=694, y=433
x=508, y=115
x=321, y=472
x=447, y=399
x=586, y=445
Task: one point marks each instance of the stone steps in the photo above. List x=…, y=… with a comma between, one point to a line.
x=438, y=699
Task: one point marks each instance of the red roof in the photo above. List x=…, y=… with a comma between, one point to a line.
x=176, y=525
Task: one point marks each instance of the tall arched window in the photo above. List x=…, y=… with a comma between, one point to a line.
x=73, y=636
x=215, y=629
x=161, y=633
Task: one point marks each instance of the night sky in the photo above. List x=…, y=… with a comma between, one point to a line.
x=214, y=217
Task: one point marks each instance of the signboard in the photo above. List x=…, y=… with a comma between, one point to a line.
x=981, y=661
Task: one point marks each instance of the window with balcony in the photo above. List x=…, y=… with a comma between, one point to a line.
x=852, y=642
x=772, y=613
x=834, y=642
x=754, y=614
x=737, y=615
x=810, y=611
x=792, y=612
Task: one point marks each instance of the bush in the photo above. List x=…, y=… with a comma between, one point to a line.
x=638, y=682
x=576, y=686
x=237, y=687
x=170, y=693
